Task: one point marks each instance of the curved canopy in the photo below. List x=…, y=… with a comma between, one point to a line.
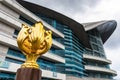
x=76, y=27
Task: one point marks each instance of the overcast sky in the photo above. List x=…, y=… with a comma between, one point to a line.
x=89, y=11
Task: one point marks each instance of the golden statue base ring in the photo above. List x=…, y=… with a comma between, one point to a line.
x=30, y=65
x=30, y=61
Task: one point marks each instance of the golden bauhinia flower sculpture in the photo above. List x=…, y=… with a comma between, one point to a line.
x=33, y=42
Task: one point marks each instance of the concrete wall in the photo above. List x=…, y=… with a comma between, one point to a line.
x=8, y=10
x=3, y=51
x=6, y=30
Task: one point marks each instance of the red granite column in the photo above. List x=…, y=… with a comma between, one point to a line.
x=28, y=74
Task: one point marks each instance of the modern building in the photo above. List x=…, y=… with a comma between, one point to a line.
x=77, y=51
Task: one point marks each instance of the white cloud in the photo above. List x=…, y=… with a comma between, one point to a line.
x=114, y=55
x=105, y=10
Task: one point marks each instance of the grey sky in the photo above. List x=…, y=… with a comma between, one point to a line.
x=89, y=11
x=67, y=7
x=114, y=41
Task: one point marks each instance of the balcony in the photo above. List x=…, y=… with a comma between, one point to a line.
x=11, y=42
x=53, y=57
x=100, y=69
x=96, y=58
x=47, y=56
x=6, y=40
x=27, y=14
x=12, y=67
x=57, y=44
x=10, y=20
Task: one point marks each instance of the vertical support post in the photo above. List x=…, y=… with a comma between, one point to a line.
x=28, y=74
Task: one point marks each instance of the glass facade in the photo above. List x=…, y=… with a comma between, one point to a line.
x=26, y=20
x=98, y=51
x=96, y=43
x=73, y=54
x=73, y=48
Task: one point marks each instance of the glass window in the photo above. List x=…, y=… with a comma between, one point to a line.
x=95, y=47
x=26, y=20
x=16, y=32
x=13, y=60
x=16, y=53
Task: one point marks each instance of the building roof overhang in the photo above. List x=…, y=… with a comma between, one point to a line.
x=106, y=28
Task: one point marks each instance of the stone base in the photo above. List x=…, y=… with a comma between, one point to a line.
x=28, y=74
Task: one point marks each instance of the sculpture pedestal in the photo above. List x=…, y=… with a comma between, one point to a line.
x=28, y=74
